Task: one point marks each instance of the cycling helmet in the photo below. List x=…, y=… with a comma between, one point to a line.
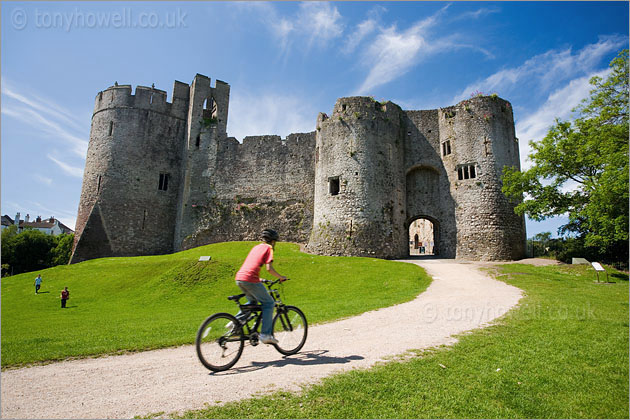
x=269, y=235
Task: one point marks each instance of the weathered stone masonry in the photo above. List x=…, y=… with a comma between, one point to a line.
x=161, y=177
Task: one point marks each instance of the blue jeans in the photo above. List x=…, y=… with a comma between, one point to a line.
x=257, y=292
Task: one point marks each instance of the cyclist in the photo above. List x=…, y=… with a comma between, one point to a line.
x=248, y=280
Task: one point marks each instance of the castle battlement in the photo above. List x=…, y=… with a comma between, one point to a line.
x=163, y=176
x=293, y=141
x=364, y=106
x=149, y=98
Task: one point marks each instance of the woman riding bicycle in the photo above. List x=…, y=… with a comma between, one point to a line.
x=248, y=280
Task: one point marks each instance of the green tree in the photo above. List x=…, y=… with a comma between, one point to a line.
x=31, y=251
x=8, y=248
x=581, y=168
x=61, y=253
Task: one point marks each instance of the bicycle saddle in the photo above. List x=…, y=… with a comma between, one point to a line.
x=236, y=297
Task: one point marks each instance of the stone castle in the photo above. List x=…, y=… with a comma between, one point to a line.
x=164, y=176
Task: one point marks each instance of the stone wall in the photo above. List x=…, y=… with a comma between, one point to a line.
x=359, y=181
x=265, y=182
x=130, y=183
x=206, y=125
x=428, y=185
x=481, y=136
x=161, y=177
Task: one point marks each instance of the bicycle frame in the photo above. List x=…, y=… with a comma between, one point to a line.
x=221, y=337
x=251, y=333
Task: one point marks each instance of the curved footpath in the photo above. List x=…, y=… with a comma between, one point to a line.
x=460, y=298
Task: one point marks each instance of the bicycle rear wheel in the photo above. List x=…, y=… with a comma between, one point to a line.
x=290, y=329
x=219, y=342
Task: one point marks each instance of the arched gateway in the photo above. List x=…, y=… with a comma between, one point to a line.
x=424, y=236
x=164, y=176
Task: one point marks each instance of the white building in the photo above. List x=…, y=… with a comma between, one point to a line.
x=50, y=226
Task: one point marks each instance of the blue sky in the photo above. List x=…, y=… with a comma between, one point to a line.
x=285, y=62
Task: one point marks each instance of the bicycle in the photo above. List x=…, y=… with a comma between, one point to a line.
x=221, y=337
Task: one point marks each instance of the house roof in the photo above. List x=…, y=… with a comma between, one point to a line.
x=41, y=225
x=65, y=228
x=38, y=224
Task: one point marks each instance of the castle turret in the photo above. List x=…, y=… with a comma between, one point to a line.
x=131, y=177
x=477, y=141
x=206, y=125
x=160, y=177
x=359, y=201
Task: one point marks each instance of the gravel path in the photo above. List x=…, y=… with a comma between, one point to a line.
x=460, y=298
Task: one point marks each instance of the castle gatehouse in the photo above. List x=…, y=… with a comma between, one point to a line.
x=164, y=176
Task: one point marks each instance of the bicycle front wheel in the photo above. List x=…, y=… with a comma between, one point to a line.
x=290, y=329
x=220, y=342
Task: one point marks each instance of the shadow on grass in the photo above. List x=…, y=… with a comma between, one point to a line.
x=314, y=357
x=620, y=276
x=41, y=293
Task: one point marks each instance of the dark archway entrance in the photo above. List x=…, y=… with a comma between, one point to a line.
x=423, y=236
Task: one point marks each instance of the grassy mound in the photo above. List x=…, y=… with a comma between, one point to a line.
x=141, y=303
x=563, y=353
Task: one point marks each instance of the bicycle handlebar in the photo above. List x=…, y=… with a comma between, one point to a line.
x=270, y=283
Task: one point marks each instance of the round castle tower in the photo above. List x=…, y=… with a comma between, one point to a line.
x=131, y=177
x=477, y=140
x=359, y=195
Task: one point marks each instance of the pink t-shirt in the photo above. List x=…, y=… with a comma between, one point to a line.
x=250, y=270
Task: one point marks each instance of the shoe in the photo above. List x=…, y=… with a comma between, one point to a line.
x=268, y=339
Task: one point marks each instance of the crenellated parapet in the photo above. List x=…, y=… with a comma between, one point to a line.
x=163, y=176
x=146, y=98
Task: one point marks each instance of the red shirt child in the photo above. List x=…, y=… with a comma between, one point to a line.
x=259, y=255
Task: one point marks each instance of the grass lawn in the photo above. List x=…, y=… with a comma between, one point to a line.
x=563, y=353
x=141, y=303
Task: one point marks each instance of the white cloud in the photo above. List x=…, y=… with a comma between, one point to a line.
x=362, y=30
x=42, y=105
x=316, y=23
x=544, y=71
x=283, y=31
x=321, y=22
x=393, y=53
x=476, y=14
x=261, y=114
x=43, y=179
x=68, y=169
x=558, y=105
x=45, y=116
x=40, y=122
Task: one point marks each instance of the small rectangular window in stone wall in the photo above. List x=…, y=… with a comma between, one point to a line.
x=163, y=184
x=333, y=185
x=111, y=128
x=466, y=171
x=446, y=148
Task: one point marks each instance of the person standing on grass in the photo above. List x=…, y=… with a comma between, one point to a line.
x=249, y=281
x=65, y=295
x=38, y=283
